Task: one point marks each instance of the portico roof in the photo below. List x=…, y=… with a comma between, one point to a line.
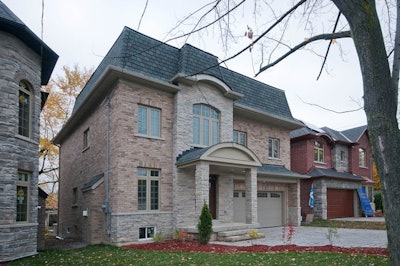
x=227, y=153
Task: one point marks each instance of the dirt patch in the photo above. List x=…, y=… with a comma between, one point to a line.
x=194, y=246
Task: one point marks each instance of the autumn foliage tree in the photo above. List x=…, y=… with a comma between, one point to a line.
x=62, y=94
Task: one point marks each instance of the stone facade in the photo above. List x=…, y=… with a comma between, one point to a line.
x=18, y=153
x=100, y=183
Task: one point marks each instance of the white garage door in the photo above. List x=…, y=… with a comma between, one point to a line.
x=270, y=209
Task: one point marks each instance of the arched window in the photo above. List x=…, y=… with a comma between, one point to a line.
x=318, y=152
x=205, y=125
x=24, y=115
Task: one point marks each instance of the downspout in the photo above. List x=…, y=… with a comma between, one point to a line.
x=106, y=206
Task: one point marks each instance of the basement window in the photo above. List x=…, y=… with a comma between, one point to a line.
x=146, y=233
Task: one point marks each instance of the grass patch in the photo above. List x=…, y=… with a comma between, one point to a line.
x=112, y=255
x=348, y=224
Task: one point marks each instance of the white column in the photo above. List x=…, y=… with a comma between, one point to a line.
x=251, y=196
x=202, y=176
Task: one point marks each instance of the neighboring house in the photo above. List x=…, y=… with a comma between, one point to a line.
x=26, y=64
x=157, y=131
x=339, y=163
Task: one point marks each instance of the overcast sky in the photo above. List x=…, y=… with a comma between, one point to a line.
x=82, y=31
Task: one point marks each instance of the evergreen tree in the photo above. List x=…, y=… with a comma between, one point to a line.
x=205, y=225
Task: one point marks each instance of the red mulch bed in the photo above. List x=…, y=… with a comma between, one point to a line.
x=194, y=246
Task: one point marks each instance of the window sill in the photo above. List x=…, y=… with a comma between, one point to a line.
x=148, y=137
x=26, y=139
x=273, y=158
x=320, y=162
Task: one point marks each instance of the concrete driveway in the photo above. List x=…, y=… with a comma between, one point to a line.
x=320, y=236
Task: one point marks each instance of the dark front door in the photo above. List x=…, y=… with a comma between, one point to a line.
x=213, y=196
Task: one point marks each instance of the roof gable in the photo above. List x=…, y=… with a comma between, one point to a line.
x=10, y=23
x=354, y=134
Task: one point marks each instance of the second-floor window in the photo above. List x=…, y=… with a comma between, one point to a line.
x=318, y=152
x=205, y=125
x=149, y=121
x=273, y=148
x=362, y=159
x=148, y=189
x=342, y=156
x=24, y=114
x=86, y=139
x=239, y=137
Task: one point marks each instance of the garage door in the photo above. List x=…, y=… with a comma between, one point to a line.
x=270, y=208
x=340, y=203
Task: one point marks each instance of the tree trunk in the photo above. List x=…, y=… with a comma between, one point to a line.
x=380, y=102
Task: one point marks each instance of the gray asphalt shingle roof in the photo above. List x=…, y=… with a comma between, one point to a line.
x=10, y=23
x=92, y=182
x=280, y=170
x=142, y=54
x=322, y=172
x=354, y=134
x=351, y=135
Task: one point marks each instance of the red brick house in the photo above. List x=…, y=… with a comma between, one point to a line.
x=159, y=130
x=339, y=162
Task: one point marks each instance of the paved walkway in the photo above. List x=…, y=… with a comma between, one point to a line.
x=319, y=236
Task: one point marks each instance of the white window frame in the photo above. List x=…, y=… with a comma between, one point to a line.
x=206, y=122
x=152, y=127
x=274, y=148
x=147, y=234
x=23, y=182
x=24, y=89
x=362, y=158
x=240, y=137
x=148, y=176
x=319, y=153
x=342, y=155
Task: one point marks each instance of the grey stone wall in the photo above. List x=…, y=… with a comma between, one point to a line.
x=17, y=62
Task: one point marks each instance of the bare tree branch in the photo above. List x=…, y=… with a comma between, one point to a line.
x=44, y=171
x=327, y=36
x=141, y=17
x=202, y=17
x=331, y=110
x=187, y=17
x=257, y=39
x=329, y=46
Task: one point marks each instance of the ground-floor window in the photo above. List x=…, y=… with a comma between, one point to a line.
x=22, y=197
x=146, y=232
x=148, y=189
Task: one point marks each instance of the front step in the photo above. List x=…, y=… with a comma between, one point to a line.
x=236, y=235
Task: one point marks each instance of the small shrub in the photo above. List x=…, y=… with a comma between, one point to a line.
x=253, y=233
x=287, y=233
x=158, y=238
x=378, y=200
x=331, y=234
x=205, y=225
x=181, y=235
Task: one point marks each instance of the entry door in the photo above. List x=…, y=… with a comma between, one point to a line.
x=213, y=196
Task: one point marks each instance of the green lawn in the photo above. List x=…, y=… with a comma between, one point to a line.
x=111, y=255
